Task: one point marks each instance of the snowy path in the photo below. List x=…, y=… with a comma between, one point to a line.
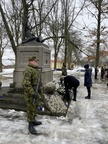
x=86, y=122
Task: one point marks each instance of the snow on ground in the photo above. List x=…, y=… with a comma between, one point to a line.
x=7, y=72
x=86, y=121
x=8, y=57
x=6, y=76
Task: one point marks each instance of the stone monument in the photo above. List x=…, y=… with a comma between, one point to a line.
x=32, y=46
x=42, y=53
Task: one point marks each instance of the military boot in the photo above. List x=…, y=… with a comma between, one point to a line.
x=31, y=128
x=36, y=123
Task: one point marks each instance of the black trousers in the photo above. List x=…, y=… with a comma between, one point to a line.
x=67, y=89
x=95, y=75
x=89, y=91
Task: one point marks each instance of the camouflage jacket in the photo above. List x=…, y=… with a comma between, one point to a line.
x=64, y=71
x=30, y=79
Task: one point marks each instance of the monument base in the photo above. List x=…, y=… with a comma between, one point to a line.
x=47, y=75
x=42, y=53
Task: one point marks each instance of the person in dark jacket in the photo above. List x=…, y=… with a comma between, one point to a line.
x=102, y=72
x=96, y=72
x=88, y=80
x=64, y=70
x=71, y=82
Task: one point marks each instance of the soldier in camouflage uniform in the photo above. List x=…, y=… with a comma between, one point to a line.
x=29, y=82
x=64, y=70
x=64, y=73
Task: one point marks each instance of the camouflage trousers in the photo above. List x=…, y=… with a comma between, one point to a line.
x=32, y=108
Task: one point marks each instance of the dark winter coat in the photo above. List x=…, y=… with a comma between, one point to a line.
x=71, y=81
x=87, y=78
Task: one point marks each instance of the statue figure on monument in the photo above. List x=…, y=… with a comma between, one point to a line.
x=28, y=34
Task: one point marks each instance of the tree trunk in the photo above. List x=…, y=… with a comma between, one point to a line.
x=8, y=30
x=66, y=33
x=0, y=60
x=0, y=49
x=55, y=59
x=98, y=35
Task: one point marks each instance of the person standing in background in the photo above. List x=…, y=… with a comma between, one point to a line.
x=96, y=72
x=102, y=72
x=64, y=73
x=88, y=80
x=64, y=70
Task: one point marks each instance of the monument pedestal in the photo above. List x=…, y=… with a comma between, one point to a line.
x=42, y=53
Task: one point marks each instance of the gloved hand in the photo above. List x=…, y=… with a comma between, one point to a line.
x=35, y=95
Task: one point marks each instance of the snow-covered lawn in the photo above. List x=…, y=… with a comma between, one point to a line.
x=86, y=121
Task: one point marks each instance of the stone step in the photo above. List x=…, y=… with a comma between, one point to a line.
x=16, y=101
x=17, y=107
x=5, y=105
x=15, y=95
x=12, y=100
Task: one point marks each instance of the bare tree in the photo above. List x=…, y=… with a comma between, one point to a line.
x=99, y=33
x=14, y=17
x=50, y=19
x=54, y=29
x=3, y=43
x=26, y=11
x=6, y=24
x=70, y=15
